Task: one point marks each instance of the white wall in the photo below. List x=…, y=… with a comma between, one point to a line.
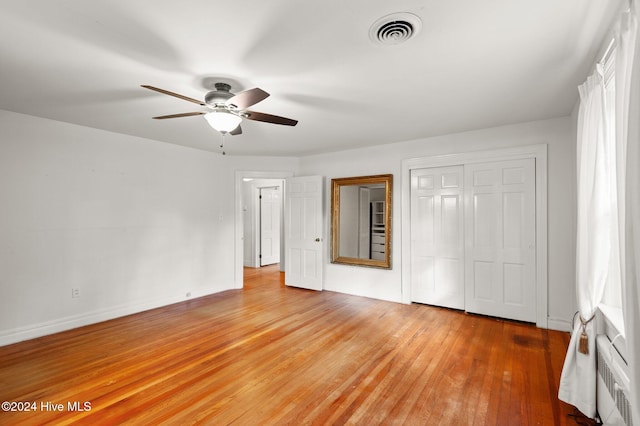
x=132, y=223
x=248, y=234
x=386, y=284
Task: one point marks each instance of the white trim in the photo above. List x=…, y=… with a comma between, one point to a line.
x=559, y=324
x=539, y=153
x=238, y=275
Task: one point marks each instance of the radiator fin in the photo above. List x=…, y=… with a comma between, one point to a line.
x=618, y=395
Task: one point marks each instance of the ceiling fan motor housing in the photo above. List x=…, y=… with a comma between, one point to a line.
x=219, y=96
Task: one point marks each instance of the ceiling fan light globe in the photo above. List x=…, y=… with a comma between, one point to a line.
x=223, y=122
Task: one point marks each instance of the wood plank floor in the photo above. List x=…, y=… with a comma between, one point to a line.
x=270, y=354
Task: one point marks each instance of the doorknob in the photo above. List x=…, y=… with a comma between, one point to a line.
x=317, y=240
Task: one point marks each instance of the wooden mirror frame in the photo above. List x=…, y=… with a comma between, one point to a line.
x=336, y=184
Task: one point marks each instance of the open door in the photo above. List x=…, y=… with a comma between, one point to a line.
x=269, y=226
x=304, y=246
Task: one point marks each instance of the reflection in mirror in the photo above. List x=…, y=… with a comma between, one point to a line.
x=361, y=220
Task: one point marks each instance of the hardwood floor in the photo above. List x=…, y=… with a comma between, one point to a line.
x=271, y=354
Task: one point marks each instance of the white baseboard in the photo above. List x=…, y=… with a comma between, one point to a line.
x=559, y=324
x=74, y=321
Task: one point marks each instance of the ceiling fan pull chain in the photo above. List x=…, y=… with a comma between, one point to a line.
x=222, y=143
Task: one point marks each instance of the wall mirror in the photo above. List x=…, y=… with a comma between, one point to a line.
x=361, y=220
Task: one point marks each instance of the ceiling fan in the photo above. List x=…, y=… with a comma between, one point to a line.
x=226, y=110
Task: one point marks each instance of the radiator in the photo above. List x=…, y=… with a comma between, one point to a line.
x=613, y=385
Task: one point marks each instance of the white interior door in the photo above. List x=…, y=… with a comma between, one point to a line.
x=437, y=244
x=500, y=239
x=304, y=247
x=269, y=226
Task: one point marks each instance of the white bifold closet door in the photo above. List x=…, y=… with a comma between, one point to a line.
x=437, y=244
x=473, y=238
x=500, y=226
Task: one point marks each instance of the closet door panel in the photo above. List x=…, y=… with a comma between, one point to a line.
x=437, y=262
x=500, y=239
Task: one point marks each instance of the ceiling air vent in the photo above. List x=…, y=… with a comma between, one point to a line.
x=395, y=29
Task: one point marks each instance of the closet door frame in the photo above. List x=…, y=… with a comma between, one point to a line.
x=537, y=152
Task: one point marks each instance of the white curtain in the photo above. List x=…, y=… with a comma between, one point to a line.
x=578, y=379
x=628, y=194
x=608, y=240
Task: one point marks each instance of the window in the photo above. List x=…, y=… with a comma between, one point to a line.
x=611, y=306
x=613, y=292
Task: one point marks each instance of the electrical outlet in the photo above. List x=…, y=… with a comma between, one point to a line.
x=75, y=293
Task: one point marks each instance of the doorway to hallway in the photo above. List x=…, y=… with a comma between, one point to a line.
x=262, y=228
x=243, y=221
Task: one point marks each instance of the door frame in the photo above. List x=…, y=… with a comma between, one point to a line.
x=539, y=153
x=238, y=275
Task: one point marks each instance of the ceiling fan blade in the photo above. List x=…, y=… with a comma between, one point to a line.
x=236, y=131
x=268, y=118
x=247, y=98
x=184, y=114
x=166, y=92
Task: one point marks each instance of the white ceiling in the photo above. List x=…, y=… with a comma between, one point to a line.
x=475, y=64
